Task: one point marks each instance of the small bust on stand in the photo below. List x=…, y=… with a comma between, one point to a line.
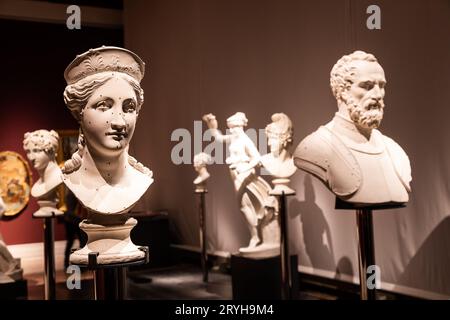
x=279, y=162
x=10, y=269
x=201, y=160
x=41, y=147
x=104, y=95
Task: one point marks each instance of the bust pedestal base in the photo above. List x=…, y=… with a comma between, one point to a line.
x=112, y=243
x=47, y=209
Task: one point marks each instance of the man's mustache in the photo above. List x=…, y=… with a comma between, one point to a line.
x=373, y=105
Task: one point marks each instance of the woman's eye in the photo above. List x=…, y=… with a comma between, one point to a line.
x=129, y=106
x=103, y=105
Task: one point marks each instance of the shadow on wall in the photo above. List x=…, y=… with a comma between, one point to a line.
x=344, y=268
x=316, y=232
x=433, y=258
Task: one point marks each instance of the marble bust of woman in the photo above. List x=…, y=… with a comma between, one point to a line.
x=41, y=147
x=104, y=95
x=279, y=162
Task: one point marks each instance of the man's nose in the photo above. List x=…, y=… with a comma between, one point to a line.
x=377, y=92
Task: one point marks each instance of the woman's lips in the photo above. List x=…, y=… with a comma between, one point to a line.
x=117, y=135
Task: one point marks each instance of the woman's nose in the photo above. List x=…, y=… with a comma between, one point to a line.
x=118, y=122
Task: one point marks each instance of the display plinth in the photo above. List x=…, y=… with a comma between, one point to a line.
x=366, y=246
x=14, y=290
x=202, y=226
x=110, y=279
x=49, y=256
x=259, y=278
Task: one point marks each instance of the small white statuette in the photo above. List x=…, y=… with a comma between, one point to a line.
x=10, y=269
x=252, y=191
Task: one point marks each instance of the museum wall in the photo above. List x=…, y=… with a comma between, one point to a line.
x=34, y=56
x=262, y=57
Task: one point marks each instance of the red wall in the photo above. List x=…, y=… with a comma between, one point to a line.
x=34, y=56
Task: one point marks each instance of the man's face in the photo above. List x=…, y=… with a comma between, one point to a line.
x=365, y=96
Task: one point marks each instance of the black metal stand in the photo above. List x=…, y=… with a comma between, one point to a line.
x=366, y=247
x=366, y=251
x=110, y=280
x=286, y=272
x=203, y=241
x=49, y=257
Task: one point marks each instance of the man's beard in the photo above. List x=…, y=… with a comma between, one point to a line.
x=368, y=115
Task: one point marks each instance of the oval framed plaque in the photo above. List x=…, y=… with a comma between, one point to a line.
x=15, y=183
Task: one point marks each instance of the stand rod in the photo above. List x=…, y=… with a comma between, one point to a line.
x=366, y=251
x=286, y=276
x=203, y=242
x=94, y=274
x=110, y=283
x=49, y=259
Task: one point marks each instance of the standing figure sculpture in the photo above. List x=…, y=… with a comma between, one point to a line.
x=360, y=165
x=104, y=95
x=41, y=147
x=252, y=191
x=279, y=162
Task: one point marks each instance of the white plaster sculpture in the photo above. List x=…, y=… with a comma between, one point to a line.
x=252, y=191
x=201, y=160
x=279, y=162
x=41, y=147
x=104, y=95
x=10, y=269
x=359, y=164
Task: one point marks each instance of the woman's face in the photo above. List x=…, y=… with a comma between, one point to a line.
x=275, y=144
x=39, y=158
x=109, y=117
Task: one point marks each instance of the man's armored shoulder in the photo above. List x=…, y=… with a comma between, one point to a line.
x=400, y=160
x=315, y=149
x=324, y=155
